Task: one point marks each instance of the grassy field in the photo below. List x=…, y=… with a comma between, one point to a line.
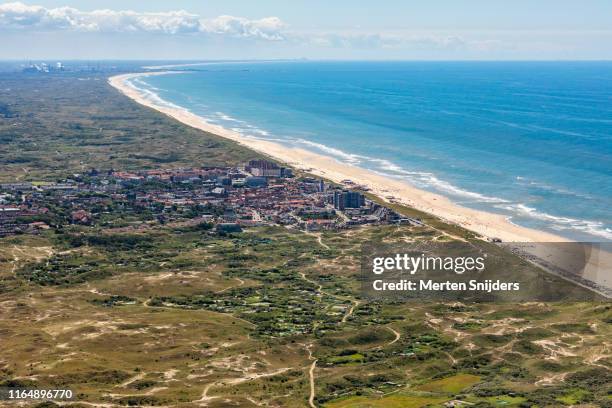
x=55, y=126
x=194, y=318
x=392, y=401
x=450, y=385
x=265, y=317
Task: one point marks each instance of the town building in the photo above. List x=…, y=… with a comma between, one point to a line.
x=348, y=199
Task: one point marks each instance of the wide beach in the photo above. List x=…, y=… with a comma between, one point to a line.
x=488, y=225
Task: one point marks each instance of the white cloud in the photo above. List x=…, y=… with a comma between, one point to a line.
x=21, y=16
x=389, y=40
x=269, y=28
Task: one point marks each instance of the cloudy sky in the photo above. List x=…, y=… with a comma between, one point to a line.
x=325, y=29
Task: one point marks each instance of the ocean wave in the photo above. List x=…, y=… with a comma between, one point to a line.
x=529, y=183
x=228, y=118
x=560, y=131
x=145, y=84
x=251, y=132
x=454, y=190
x=245, y=128
x=262, y=132
x=150, y=95
x=388, y=168
x=258, y=131
x=560, y=223
x=348, y=157
x=560, y=97
x=426, y=180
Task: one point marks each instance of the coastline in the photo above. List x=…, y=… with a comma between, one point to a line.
x=485, y=224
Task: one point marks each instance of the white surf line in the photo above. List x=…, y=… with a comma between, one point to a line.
x=483, y=223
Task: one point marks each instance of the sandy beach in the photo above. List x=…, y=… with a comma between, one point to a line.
x=486, y=224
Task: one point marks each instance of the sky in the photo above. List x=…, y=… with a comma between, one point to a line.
x=314, y=29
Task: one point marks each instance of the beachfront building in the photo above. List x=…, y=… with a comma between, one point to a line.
x=348, y=199
x=264, y=168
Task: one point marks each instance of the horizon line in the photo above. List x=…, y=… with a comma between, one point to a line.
x=302, y=59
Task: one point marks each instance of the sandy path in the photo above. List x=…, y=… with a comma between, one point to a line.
x=396, y=333
x=311, y=376
x=204, y=398
x=240, y=283
x=349, y=313
x=483, y=223
x=131, y=380
x=319, y=239
x=320, y=291
x=317, y=284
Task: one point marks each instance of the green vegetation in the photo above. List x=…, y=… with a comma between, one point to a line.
x=180, y=315
x=180, y=311
x=450, y=385
x=575, y=396
x=51, y=127
x=393, y=401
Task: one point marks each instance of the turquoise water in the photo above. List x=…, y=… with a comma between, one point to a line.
x=530, y=140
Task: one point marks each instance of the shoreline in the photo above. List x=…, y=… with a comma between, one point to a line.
x=488, y=225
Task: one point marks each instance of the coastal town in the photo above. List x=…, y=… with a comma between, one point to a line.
x=148, y=261
x=227, y=199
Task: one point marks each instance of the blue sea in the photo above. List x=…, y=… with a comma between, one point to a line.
x=529, y=140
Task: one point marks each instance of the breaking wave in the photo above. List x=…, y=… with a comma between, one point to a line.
x=560, y=223
x=421, y=179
